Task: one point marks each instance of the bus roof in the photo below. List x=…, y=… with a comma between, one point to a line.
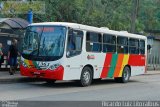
x=91, y=28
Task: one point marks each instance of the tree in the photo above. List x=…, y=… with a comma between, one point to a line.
x=133, y=16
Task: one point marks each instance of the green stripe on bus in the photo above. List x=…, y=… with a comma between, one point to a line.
x=113, y=65
x=35, y=64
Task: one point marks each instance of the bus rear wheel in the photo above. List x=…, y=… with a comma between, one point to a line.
x=125, y=76
x=86, y=77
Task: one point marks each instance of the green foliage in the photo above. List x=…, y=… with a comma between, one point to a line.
x=149, y=14
x=114, y=14
x=18, y=7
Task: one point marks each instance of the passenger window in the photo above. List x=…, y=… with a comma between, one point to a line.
x=93, y=42
x=133, y=46
x=122, y=45
x=74, y=44
x=109, y=43
x=142, y=47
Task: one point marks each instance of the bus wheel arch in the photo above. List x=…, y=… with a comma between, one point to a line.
x=125, y=75
x=90, y=66
x=86, y=75
x=128, y=67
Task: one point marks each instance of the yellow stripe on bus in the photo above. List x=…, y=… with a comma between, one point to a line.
x=26, y=62
x=125, y=62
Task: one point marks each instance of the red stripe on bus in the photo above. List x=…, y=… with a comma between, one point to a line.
x=137, y=60
x=106, y=65
x=56, y=74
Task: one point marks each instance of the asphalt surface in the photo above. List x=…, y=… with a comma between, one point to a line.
x=5, y=77
x=141, y=88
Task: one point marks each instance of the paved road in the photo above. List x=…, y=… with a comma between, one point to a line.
x=145, y=87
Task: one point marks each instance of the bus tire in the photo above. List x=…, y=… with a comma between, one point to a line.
x=125, y=75
x=86, y=77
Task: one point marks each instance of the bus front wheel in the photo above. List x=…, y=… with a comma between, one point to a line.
x=86, y=77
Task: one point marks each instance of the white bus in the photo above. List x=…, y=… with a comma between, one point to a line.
x=70, y=51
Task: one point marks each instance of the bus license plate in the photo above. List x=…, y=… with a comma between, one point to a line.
x=37, y=73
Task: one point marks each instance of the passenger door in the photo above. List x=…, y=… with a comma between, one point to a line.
x=74, y=49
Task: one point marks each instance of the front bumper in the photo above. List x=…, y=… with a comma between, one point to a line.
x=56, y=74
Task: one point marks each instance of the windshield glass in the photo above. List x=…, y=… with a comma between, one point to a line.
x=44, y=42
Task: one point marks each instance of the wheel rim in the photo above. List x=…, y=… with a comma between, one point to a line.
x=126, y=74
x=86, y=77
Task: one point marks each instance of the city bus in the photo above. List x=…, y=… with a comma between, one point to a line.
x=70, y=51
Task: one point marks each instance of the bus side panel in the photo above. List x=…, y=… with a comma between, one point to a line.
x=72, y=67
x=115, y=63
x=121, y=62
x=124, y=63
x=106, y=66
x=96, y=62
x=137, y=63
x=137, y=70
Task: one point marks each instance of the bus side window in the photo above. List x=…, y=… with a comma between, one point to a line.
x=109, y=43
x=142, y=47
x=122, y=45
x=93, y=42
x=133, y=46
x=74, y=43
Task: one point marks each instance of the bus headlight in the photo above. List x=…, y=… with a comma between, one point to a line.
x=52, y=67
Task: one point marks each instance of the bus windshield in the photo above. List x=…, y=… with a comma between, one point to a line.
x=44, y=43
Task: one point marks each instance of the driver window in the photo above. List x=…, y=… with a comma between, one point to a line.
x=32, y=41
x=74, y=46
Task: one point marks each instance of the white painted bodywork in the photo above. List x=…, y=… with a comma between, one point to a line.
x=74, y=65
